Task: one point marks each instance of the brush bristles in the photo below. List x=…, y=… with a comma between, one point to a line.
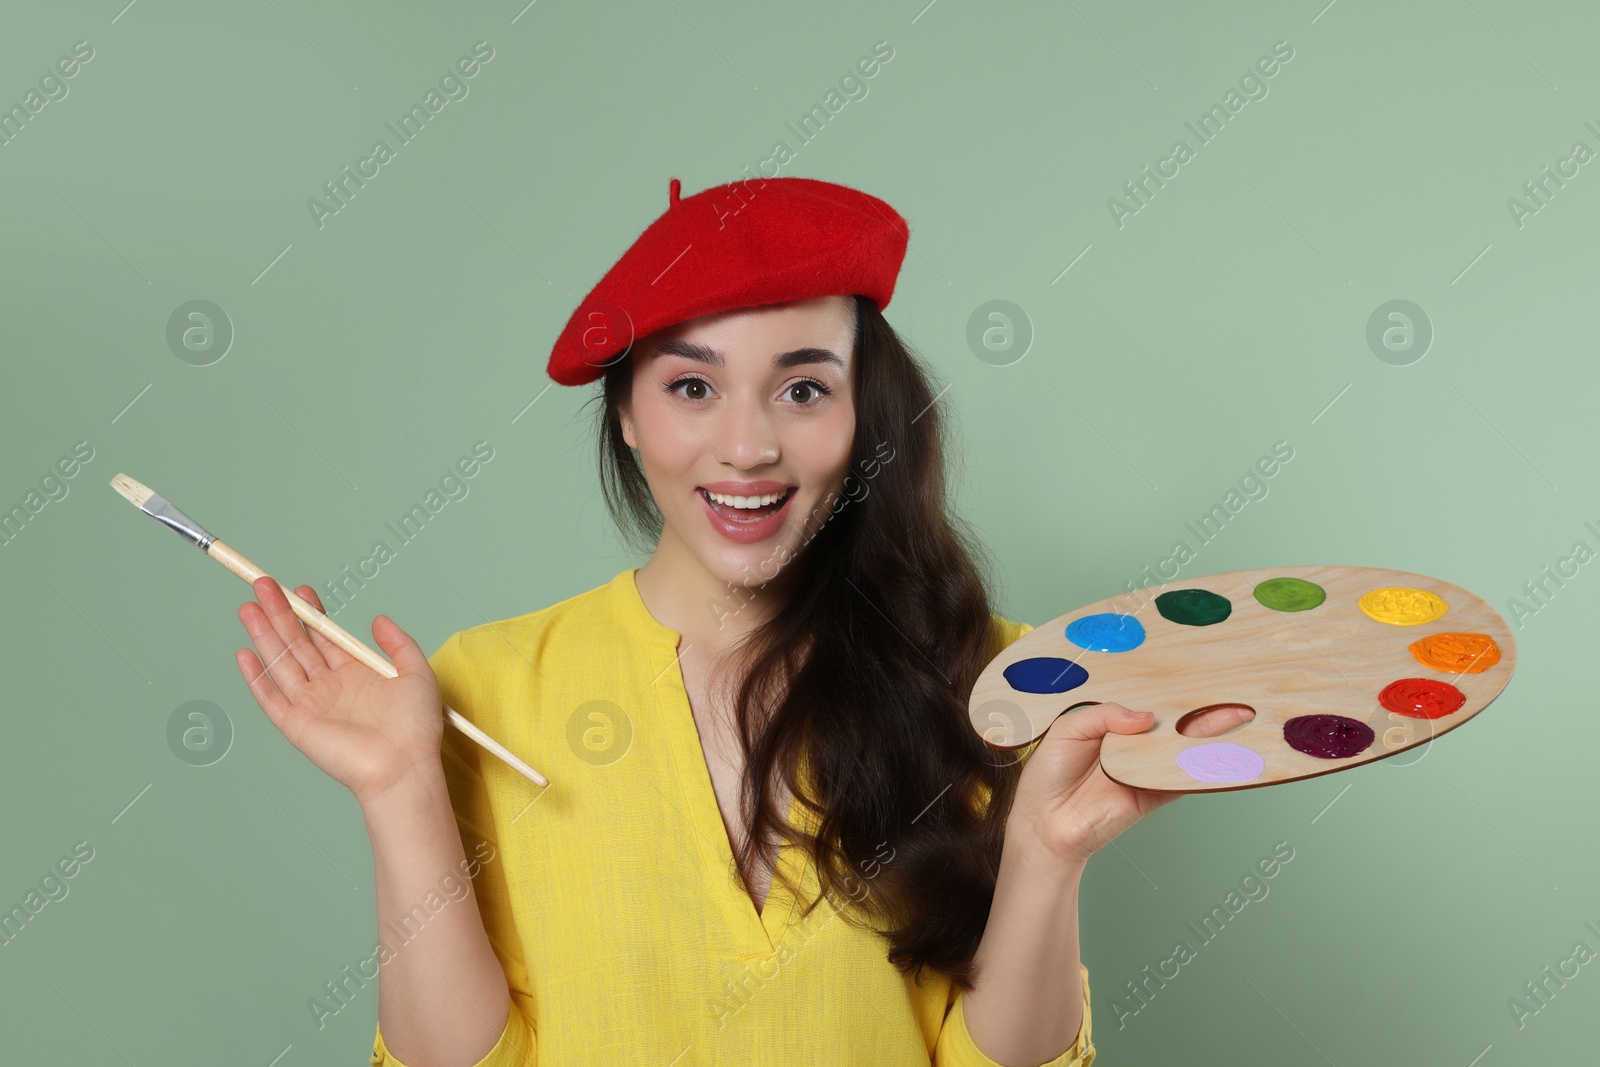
x=136, y=492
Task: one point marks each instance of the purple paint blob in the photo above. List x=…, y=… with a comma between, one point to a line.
x=1327, y=736
x=1222, y=761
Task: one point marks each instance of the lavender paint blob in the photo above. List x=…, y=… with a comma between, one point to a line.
x=1222, y=761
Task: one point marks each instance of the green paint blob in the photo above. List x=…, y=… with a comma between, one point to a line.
x=1290, y=594
x=1193, y=607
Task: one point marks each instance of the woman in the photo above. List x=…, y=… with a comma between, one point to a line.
x=771, y=834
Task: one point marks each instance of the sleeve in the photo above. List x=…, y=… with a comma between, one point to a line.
x=956, y=1049
x=514, y=1049
x=472, y=797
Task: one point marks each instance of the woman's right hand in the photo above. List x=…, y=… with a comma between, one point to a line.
x=368, y=732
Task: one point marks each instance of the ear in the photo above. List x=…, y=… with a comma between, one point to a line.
x=625, y=418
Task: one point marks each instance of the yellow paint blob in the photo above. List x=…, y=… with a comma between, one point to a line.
x=1457, y=653
x=1402, y=606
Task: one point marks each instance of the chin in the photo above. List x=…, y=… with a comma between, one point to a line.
x=750, y=566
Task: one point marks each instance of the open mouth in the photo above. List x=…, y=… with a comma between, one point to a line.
x=746, y=509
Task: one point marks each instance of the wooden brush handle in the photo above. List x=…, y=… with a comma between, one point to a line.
x=325, y=626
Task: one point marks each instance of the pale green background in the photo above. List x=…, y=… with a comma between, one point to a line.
x=1223, y=317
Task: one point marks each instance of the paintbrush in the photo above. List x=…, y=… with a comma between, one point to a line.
x=160, y=509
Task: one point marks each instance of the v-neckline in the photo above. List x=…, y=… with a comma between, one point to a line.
x=758, y=933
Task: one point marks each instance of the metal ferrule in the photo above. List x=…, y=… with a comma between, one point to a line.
x=158, y=508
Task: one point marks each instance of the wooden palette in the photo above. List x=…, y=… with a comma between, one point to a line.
x=1333, y=684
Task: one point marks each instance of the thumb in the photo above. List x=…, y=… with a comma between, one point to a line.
x=406, y=655
x=1096, y=720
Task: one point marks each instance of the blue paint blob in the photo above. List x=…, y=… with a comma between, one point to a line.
x=1045, y=674
x=1108, y=632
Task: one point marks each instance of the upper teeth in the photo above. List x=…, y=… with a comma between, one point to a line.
x=745, y=501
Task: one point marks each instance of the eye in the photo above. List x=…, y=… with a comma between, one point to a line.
x=688, y=380
x=809, y=385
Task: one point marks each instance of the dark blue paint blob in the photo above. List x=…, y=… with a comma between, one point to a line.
x=1108, y=632
x=1045, y=674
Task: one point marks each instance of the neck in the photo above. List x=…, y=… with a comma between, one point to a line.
x=683, y=594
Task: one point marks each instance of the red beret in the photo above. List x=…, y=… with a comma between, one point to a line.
x=750, y=242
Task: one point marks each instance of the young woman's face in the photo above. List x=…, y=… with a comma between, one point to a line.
x=743, y=421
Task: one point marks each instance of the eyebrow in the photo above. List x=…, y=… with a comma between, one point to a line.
x=703, y=354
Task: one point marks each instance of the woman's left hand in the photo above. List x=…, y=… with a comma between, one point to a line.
x=1066, y=804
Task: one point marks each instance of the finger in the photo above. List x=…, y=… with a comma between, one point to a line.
x=335, y=656
x=288, y=626
x=1216, y=721
x=406, y=655
x=273, y=651
x=262, y=688
x=1150, y=800
x=1096, y=720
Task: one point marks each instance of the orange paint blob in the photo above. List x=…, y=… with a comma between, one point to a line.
x=1457, y=653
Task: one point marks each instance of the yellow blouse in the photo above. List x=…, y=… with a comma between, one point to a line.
x=610, y=896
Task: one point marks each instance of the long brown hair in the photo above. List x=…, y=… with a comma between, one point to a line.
x=881, y=642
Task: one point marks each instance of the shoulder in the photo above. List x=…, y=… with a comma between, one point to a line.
x=1009, y=630
x=1003, y=631
x=513, y=647
x=504, y=637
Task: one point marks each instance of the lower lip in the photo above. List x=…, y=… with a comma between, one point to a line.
x=750, y=531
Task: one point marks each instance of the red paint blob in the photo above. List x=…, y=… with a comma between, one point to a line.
x=1422, y=698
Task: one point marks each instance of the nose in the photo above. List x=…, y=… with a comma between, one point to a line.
x=746, y=435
